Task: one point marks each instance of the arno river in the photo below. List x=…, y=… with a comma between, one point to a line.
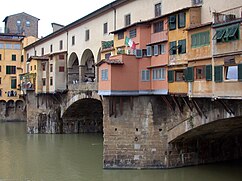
x=25, y=157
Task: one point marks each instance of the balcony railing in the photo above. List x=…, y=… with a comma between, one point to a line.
x=159, y=37
x=228, y=15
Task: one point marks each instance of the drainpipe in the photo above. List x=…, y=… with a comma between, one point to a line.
x=114, y=17
x=67, y=48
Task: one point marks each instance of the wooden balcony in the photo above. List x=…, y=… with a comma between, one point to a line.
x=159, y=37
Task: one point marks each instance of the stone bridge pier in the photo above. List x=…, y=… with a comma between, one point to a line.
x=170, y=131
x=77, y=111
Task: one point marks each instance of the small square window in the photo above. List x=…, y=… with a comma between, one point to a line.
x=61, y=44
x=105, y=28
x=158, y=9
x=73, y=40
x=231, y=72
x=28, y=23
x=132, y=33
x=200, y=72
x=158, y=26
x=51, y=67
x=61, y=69
x=121, y=35
x=87, y=35
x=13, y=57
x=179, y=75
x=127, y=20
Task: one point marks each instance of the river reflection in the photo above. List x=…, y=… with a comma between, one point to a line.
x=79, y=157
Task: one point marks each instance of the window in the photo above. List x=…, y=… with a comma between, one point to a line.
x=35, y=53
x=200, y=39
x=61, y=69
x=173, y=48
x=34, y=67
x=139, y=53
x=0, y=56
x=189, y=74
x=208, y=72
x=197, y=2
x=181, y=46
x=132, y=33
x=51, y=48
x=1, y=46
x=17, y=46
x=61, y=57
x=43, y=66
x=159, y=74
x=18, y=22
x=10, y=69
x=87, y=35
x=107, y=56
x=156, y=50
x=31, y=68
x=13, y=83
x=158, y=9
x=149, y=51
x=105, y=28
x=162, y=49
x=51, y=80
x=8, y=46
x=127, y=19
x=73, y=40
x=42, y=51
x=145, y=75
x=121, y=35
x=13, y=57
x=61, y=44
x=181, y=20
x=104, y=73
x=0, y=80
x=44, y=81
x=28, y=23
x=0, y=68
x=229, y=33
x=179, y=75
x=51, y=67
x=200, y=72
x=22, y=58
x=0, y=91
x=172, y=22
x=158, y=27
x=231, y=72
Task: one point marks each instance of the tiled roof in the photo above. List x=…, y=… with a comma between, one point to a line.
x=110, y=61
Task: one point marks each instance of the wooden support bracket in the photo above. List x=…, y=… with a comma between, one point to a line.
x=226, y=107
x=200, y=112
x=168, y=103
x=187, y=102
x=177, y=104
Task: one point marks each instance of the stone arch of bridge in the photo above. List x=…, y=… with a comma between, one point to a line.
x=83, y=113
x=88, y=66
x=73, y=68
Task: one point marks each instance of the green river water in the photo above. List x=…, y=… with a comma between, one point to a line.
x=25, y=157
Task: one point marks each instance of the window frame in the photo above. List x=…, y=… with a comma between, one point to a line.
x=158, y=74
x=173, y=48
x=104, y=74
x=14, y=57
x=87, y=35
x=182, y=46
x=120, y=35
x=200, y=75
x=145, y=75
x=157, y=9
x=133, y=33
x=158, y=26
x=61, y=44
x=105, y=28
x=172, y=22
x=127, y=19
x=182, y=20
x=226, y=72
x=73, y=40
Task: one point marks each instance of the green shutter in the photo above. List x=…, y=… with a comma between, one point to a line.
x=218, y=77
x=209, y=72
x=170, y=76
x=239, y=72
x=13, y=83
x=189, y=74
x=7, y=69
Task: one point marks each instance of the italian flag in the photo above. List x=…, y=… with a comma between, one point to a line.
x=130, y=43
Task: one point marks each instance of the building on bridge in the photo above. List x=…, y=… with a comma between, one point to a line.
x=159, y=86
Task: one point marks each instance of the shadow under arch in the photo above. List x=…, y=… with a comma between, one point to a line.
x=73, y=69
x=87, y=66
x=84, y=116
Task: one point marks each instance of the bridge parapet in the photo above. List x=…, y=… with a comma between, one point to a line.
x=85, y=86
